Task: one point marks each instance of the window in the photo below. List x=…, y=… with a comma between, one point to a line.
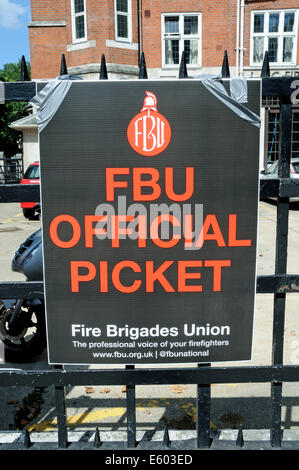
x=123, y=20
x=79, y=20
x=276, y=32
x=32, y=172
x=295, y=138
x=272, y=142
x=181, y=32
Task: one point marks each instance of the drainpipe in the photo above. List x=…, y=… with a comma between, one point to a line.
x=139, y=21
x=242, y=37
x=238, y=38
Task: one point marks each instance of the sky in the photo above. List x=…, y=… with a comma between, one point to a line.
x=14, y=37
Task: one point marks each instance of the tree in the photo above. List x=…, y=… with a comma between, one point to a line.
x=10, y=112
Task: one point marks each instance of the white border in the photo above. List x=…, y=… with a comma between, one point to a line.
x=155, y=365
x=257, y=224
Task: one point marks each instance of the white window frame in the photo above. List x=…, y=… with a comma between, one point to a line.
x=129, y=19
x=280, y=35
x=181, y=37
x=74, y=15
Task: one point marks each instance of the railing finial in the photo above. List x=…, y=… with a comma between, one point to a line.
x=266, y=66
x=63, y=67
x=26, y=438
x=142, y=68
x=24, y=75
x=97, y=440
x=166, y=439
x=240, y=439
x=225, y=73
x=103, y=69
x=183, y=67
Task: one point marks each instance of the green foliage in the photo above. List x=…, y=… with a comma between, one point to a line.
x=10, y=112
x=11, y=72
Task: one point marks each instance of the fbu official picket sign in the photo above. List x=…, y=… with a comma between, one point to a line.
x=149, y=214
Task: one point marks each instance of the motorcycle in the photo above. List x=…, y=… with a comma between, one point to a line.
x=22, y=321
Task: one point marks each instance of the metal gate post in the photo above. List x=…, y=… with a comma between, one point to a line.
x=285, y=125
x=61, y=413
x=203, y=413
x=131, y=413
x=204, y=391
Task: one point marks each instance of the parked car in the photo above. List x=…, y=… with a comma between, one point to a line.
x=272, y=172
x=31, y=176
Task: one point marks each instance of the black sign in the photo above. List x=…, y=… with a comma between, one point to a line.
x=149, y=214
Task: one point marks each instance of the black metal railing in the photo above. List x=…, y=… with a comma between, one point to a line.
x=11, y=169
x=279, y=284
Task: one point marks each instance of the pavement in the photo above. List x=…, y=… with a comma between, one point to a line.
x=173, y=405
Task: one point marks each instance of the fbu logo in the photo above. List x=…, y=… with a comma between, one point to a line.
x=149, y=132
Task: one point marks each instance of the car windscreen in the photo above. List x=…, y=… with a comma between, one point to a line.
x=296, y=167
x=32, y=172
x=272, y=169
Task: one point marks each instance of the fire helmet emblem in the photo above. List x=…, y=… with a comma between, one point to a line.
x=149, y=132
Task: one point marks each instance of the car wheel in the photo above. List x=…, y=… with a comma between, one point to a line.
x=28, y=213
x=30, y=341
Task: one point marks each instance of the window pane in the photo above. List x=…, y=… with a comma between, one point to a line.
x=259, y=23
x=122, y=26
x=273, y=23
x=273, y=168
x=287, y=49
x=171, y=51
x=80, y=27
x=190, y=25
x=272, y=49
x=289, y=22
x=32, y=172
x=296, y=167
x=171, y=24
x=191, y=51
x=258, y=49
x=122, y=5
x=79, y=6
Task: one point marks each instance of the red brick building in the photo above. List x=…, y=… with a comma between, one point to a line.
x=204, y=29
x=83, y=30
